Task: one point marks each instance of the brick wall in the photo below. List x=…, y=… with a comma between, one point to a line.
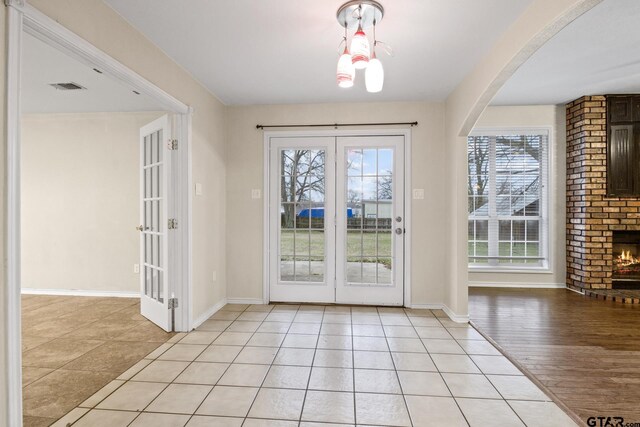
x=591, y=216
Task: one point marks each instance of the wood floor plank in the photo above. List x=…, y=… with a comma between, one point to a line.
x=586, y=351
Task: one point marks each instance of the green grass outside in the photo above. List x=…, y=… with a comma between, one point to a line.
x=358, y=243
x=504, y=249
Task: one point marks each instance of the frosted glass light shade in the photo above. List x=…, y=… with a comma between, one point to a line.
x=374, y=76
x=346, y=71
x=360, y=50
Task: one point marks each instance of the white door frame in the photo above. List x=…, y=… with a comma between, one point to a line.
x=312, y=292
x=23, y=17
x=405, y=132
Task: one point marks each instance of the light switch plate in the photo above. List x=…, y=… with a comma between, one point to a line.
x=198, y=189
x=418, y=193
x=256, y=193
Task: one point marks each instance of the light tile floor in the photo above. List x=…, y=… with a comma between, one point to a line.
x=291, y=365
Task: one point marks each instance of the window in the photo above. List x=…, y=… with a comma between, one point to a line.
x=507, y=198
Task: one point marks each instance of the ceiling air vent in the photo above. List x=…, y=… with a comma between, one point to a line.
x=67, y=86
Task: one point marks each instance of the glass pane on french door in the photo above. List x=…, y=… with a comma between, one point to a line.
x=369, y=198
x=370, y=220
x=302, y=215
x=155, y=171
x=153, y=275
x=302, y=219
x=336, y=231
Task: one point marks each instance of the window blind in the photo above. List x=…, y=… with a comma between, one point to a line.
x=507, y=198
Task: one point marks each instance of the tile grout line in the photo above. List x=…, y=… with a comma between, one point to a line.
x=442, y=376
x=353, y=366
x=131, y=379
x=94, y=407
x=64, y=336
x=384, y=332
x=271, y=365
x=316, y=348
x=313, y=359
x=527, y=374
x=230, y=363
x=171, y=383
x=490, y=382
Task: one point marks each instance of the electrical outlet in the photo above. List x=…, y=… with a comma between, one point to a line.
x=136, y=268
x=214, y=276
x=418, y=193
x=256, y=193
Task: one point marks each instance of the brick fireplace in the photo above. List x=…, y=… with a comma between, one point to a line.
x=592, y=217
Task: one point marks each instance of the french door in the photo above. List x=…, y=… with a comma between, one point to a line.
x=155, y=169
x=337, y=219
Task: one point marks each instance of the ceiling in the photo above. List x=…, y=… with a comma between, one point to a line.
x=43, y=64
x=597, y=54
x=285, y=51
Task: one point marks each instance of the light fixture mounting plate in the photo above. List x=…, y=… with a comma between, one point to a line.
x=371, y=11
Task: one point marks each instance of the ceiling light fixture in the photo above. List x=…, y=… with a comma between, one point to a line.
x=346, y=71
x=360, y=14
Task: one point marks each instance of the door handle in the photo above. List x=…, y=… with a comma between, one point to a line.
x=399, y=231
x=141, y=228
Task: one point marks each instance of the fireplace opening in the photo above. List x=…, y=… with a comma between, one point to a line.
x=626, y=260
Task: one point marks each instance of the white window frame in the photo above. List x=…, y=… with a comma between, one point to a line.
x=546, y=225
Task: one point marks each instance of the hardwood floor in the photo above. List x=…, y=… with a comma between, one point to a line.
x=584, y=350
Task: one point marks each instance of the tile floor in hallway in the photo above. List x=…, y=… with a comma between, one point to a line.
x=73, y=346
x=289, y=365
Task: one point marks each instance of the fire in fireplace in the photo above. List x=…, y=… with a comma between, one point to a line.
x=626, y=259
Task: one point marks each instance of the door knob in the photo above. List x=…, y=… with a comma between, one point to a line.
x=399, y=231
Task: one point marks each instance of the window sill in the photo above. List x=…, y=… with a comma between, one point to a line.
x=514, y=270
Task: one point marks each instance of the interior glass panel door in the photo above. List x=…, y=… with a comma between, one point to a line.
x=154, y=170
x=370, y=220
x=302, y=219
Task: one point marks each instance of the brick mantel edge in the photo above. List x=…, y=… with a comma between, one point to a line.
x=591, y=215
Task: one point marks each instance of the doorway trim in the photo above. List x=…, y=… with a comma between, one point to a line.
x=23, y=17
x=405, y=132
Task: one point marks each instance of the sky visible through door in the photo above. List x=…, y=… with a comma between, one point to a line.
x=368, y=195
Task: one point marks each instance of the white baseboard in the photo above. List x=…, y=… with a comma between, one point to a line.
x=458, y=318
x=517, y=285
x=80, y=293
x=427, y=306
x=255, y=301
x=207, y=314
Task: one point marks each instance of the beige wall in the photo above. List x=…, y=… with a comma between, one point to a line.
x=80, y=201
x=245, y=172
x=539, y=22
x=94, y=21
x=536, y=116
